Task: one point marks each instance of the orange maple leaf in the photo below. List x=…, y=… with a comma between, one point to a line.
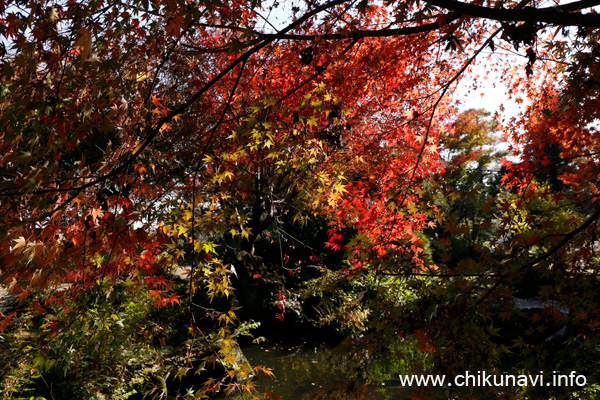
x=77, y=240
x=96, y=212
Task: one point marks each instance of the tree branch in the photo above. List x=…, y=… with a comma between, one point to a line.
x=558, y=15
x=356, y=35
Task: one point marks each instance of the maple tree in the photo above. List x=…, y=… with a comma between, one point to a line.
x=138, y=136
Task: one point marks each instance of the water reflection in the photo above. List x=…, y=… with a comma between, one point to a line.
x=309, y=372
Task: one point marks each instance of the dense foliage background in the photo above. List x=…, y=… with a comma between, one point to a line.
x=176, y=176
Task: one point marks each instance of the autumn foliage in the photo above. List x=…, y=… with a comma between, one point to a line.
x=141, y=138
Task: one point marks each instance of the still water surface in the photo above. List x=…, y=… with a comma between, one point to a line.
x=308, y=372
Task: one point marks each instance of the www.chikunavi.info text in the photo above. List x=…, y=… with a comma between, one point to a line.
x=483, y=378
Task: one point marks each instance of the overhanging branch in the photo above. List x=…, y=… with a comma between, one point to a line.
x=567, y=15
x=354, y=34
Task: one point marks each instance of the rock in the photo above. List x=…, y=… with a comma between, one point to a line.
x=7, y=301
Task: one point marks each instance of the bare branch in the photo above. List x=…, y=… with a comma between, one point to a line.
x=558, y=15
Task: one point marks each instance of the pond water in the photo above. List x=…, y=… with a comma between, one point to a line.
x=308, y=372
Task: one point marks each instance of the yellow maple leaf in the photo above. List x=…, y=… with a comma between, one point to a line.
x=182, y=230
